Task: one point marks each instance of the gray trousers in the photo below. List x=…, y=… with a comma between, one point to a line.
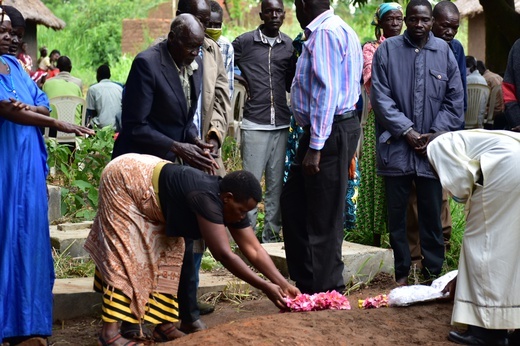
x=263, y=152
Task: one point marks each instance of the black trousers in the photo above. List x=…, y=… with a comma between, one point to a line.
x=429, y=201
x=312, y=211
x=187, y=293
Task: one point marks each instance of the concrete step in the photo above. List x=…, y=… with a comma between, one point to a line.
x=362, y=262
x=69, y=238
x=76, y=297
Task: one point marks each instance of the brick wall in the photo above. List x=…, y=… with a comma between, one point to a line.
x=138, y=34
x=162, y=11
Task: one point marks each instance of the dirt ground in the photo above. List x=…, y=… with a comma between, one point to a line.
x=258, y=322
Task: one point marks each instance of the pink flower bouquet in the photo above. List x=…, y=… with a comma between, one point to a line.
x=378, y=301
x=318, y=301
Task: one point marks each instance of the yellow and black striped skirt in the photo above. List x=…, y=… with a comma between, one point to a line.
x=161, y=307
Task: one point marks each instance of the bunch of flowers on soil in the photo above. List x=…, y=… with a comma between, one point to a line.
x=378, y=301
x=332, y=300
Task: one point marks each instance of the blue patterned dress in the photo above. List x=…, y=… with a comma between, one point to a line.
x=26, y=267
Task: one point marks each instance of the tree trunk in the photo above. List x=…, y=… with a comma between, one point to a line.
x=502, y=30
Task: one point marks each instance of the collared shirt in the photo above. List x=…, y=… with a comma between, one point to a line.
x=197, y=117
x=105, y=98
x=460, y=56
x=228, y=55
x=268, y=71
x=56, y=87
x=328, y=75
x=70, y=78
x=185, y=72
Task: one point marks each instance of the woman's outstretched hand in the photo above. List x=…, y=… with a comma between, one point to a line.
x=72, y=128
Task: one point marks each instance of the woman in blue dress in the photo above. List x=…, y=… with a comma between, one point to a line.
x=26, y=267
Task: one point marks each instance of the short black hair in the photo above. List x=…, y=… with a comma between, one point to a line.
x=54, y=51
x=64, y=63
x=17, y=19
x=188, y=6
x=415, y=3
x=103, y=72
x=215, y=7
x=243, y=185
x=444, y=7
x=471, y=62
x=262, y=4
x=481, y=67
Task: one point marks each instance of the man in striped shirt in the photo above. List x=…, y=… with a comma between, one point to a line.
x=324, y=92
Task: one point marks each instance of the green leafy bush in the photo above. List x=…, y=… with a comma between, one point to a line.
x=77, y=170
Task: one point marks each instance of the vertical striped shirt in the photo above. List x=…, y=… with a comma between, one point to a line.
x=328, y=75
x=228, y=55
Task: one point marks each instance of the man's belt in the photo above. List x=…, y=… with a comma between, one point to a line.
x=344, y=116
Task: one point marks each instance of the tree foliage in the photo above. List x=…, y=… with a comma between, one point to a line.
x=93, y=25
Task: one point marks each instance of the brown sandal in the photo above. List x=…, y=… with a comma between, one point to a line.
x=136, y=332
x=167, y=334
x=36, y=341
x=110, y=342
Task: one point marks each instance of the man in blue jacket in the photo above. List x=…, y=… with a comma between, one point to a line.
x=445, y=26
x=416, y=91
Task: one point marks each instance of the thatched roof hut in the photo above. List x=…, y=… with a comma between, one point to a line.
x=472, y=10
x=36, y=11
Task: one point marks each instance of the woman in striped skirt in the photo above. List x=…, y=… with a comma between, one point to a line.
x=147, y=206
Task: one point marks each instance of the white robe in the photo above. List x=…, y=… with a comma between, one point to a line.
x=488, y=284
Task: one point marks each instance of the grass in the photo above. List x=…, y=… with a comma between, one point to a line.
x=65, y=266
x=235, y=292
x=458, y=224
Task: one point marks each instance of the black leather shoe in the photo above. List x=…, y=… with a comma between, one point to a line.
x=205, y=308
x=480, y=336
x=402, y=281
x=514, y=337
x=193, y=327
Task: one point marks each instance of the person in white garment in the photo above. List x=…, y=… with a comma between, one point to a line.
x=480, y=168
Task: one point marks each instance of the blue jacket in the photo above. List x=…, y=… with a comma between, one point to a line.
x=460, y=56
x=412, y=87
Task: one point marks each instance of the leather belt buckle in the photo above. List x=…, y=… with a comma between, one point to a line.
x=344, y=116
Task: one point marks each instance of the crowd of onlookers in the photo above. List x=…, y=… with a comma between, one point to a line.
x=52, y=73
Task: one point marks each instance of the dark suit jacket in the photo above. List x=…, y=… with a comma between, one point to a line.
x=154, y=107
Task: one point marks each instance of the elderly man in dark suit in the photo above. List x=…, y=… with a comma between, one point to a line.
x=159, y=104
x=160, y=99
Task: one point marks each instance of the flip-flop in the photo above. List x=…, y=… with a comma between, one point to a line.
x=110, y=342
x=169, y=334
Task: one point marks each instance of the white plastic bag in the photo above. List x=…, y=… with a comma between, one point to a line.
x=406, y=295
